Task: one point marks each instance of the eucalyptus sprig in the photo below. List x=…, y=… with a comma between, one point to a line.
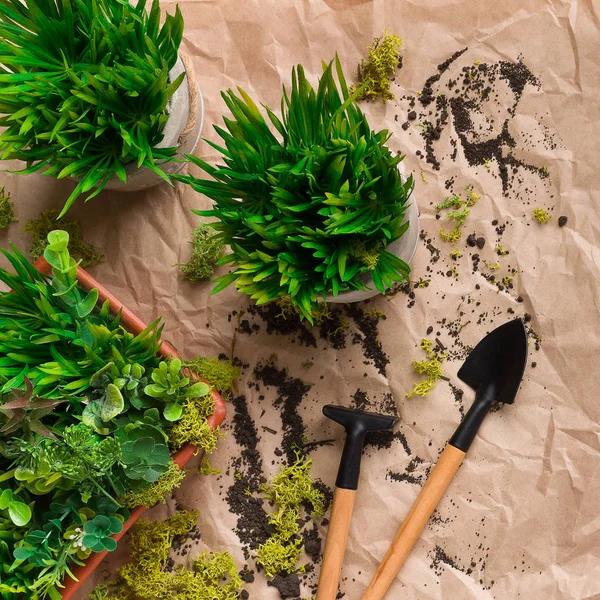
x=84, y=87
x=308, y=203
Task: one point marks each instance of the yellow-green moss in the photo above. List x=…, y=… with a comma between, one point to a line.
x=158, y=491
x=458, y=216
x=431, y=367
x=7, y=209
x=219, y=374
x=472, y=197
x=453, y=201
x=374, y=74
x=207, y=249
x=278, y=557
x=452, y=236
x=367, y=256
x=501, y=250
x=289, y=490
x=47, y=222
x=213, y=576
x=541, y=216
x=193, y=428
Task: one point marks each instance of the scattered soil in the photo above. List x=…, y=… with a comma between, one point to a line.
x=290, y=393
x=288, y=586
x=368, y=337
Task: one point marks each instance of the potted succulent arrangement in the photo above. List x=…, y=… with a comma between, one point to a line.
x=97, y=416
x=312, y=204
x=95, y=91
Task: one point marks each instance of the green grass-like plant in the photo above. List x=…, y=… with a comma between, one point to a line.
x=309, y=208
x=84, y=87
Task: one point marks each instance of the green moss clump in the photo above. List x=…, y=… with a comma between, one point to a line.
x=219, y=374
x=207, y=249
x=278, y=557
x=158, y=491
x=48, y=221
x=431, y=367
x=212, y=577
x=541, y=216
x=193, y=428
x=7, y=209
x=289, y=490
x=374, y=74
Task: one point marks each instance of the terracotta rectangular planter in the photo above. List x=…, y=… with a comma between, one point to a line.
x=135, y=325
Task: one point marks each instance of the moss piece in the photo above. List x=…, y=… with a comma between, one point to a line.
x=204, y=468
x=158, y=491
x=541, y=216
x=458, y=216
x=193, y=428
x=217, y=573
x=431, y=367
x=47, y=222
x=213, y=576
x=374, y=74
x=494, y=266
x=452, y=236
x=7, y=209
x=501, y=250
x=278, y=557
x=149, y=545
x=453, y=201
x=219, y=374
x=367, y=256
x=291, y=488
x=207, y=249
x=472, y=197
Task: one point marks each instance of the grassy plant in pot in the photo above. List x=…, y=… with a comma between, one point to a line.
x=311, y=203
x=95, y=91
x=97, y=417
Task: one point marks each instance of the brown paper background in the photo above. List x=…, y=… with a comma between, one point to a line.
x=533, y=474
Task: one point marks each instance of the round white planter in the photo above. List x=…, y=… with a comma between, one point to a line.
x=404, y=248
x=179, y=114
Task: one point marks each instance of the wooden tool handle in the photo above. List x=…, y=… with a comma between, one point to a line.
x=335, y=546
x=415, y=522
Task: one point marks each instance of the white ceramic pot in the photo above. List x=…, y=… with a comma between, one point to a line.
x=404, y=248
x=178, y=110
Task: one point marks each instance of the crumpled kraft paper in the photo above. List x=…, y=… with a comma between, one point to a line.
x=521, y=517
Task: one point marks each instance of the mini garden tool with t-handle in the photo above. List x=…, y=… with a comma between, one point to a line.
x=494, y=369
x=357, y=424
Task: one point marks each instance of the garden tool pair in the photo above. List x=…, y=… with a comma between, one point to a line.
x=494, y=369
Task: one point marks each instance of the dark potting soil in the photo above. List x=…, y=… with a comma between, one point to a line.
x=410, y=474
x=246, y=435
x=290, y=393
x=368, y=337
x=468, y=97
x=288, y=586
x=334, y=329
x=312, y=543
x=289, y=325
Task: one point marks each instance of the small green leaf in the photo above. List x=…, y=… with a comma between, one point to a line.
x=173, y=412
x=19, y=513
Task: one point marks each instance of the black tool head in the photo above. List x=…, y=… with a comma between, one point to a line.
x=357, y=424
x=498, y=362
x=358, y=420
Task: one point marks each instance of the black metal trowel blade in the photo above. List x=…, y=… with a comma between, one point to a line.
x=498, y=361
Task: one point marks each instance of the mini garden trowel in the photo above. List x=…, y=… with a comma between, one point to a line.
x=494, y=369
x=357, y=424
